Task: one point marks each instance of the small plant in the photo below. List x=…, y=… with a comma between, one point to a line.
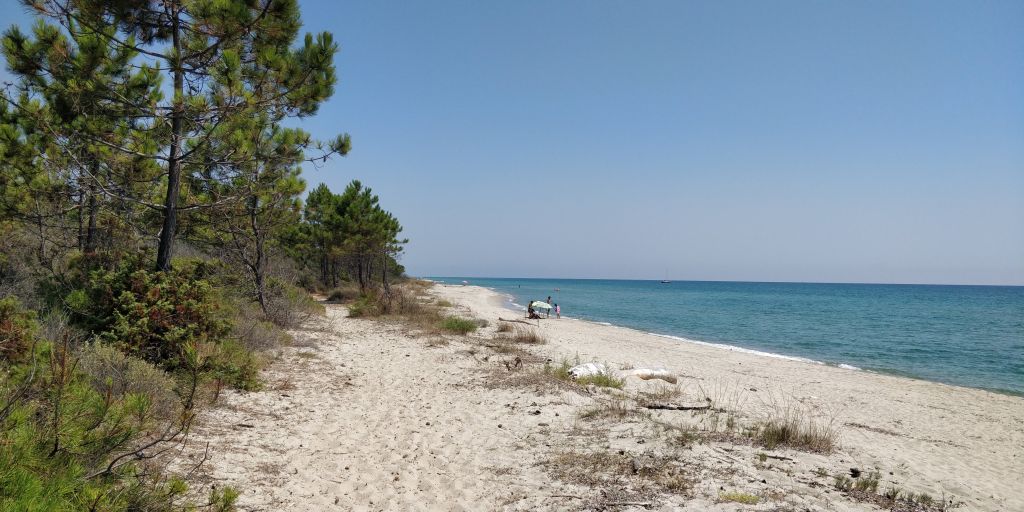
x=616, y=409
x=893, y=493
x=843, y=483
x=444, y=303
x=458, y=325
x=504, y=327
x=924, y=499
x=739, y=497
x=559, y=371
x=604, y=380
x=795, y=428
x=868, y=483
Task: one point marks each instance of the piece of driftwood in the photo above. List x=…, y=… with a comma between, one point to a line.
x=500, y=319
x=674, y=407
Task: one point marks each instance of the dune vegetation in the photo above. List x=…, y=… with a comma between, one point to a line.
x=155, y=244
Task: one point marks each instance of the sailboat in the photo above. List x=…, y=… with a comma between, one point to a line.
x=666, y=281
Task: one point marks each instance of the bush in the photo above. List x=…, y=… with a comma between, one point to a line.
x=458, y=325
x=289, y=306
x=110, y=370
x=365, y=305
x=343, y=294
x=17, y=329
x=232, y=364
x=150, y=314
x=61, y=439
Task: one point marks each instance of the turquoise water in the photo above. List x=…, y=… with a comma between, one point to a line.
x=964, y=335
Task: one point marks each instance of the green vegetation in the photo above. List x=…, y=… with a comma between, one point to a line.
x=561, y=372
x=604, y=380
x=155, y=241
x=458, y=325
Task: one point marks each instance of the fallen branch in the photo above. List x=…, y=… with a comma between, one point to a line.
x=674, y=407
x=500, y=319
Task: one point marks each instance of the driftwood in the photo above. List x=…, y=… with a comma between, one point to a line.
x=500, y=319
x=674, y=407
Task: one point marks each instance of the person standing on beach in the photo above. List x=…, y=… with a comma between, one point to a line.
x=549, y=309
x=558, y=311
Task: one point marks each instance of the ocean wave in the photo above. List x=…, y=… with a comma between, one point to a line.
x=848, y=366
x=737, y=349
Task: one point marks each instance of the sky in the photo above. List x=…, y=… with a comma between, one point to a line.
x=869, y=141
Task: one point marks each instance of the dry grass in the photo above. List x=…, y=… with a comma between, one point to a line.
x=664, y=394
x=504, y=327
x=524, y=335
x=794, y=427
x=613, y=409
x=611, y=470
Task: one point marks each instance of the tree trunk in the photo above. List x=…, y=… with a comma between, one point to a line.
x=170, y=221
x=90, y=231
x=259, y=259
x=81, y=219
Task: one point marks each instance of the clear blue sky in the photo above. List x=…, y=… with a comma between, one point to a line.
x=869, y=141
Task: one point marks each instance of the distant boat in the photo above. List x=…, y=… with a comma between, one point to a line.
x=666, y=281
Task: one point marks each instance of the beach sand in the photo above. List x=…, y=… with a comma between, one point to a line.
x=366, y=414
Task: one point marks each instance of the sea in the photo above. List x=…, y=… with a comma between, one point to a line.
x=962, y=335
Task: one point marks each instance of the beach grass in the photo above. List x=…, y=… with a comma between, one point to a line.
x=458, y=325
x=794, y=427
x=526, y=335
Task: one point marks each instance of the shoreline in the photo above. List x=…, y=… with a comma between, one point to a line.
x=926, y=435
x=509, y=300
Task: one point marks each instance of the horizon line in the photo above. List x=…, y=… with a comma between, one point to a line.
x=725, y=281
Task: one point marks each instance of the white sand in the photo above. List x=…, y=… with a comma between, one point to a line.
x=369, y=416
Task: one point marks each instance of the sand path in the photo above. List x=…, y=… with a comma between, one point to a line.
x=368, y=417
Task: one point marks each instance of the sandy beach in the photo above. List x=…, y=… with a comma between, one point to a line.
x=370, y=414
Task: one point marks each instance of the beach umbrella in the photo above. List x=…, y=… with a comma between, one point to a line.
x=540, y=305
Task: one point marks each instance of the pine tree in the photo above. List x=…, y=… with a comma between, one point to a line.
x=226, y=61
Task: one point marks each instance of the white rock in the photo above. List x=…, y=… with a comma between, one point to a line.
x=588, y=370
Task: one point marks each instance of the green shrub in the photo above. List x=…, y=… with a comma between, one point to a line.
x=61, y=438
x=230, y=362
x=739, y=497
x=150, y=314
x=604, y=380
x=365, y=305
x=458, y=325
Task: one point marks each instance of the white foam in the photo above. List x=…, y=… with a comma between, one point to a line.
x=848, y=367
x=737, y=349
